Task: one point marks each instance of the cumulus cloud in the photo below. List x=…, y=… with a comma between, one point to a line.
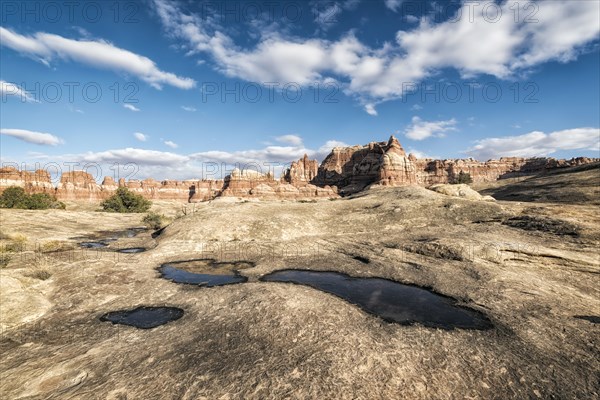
x=329, y=145
x=135, y=156
x=536, y=144
x=140, y=136
x=136, y=163
x=411, y=19
x=11, y=89
x=131, y=107
x=34, y=137
x=393, y=5
x=503, y=48
x=290, y=139
x=99, y=54
x=419, y=129
x=189, y=109
x=370, y=109
x=171, y=144
x=327, y=12
x=281, y=155
x=421, y=154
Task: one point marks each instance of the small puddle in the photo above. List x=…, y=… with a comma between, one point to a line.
x=132, y=250
x=157, y=233
x=590, y=318
x=204, y=272
x=93, y=245
x=144, y=317
x=102, y=239
x=391, y=301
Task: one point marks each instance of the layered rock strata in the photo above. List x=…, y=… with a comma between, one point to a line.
x=345, y=170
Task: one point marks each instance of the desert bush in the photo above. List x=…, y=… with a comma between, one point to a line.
x=39, y=273
x=43, y=201
x=15, y=197
x=153, y=220
x=464, y=177
x=4, y=259
x=9, y=245
x=16, y=243
x=55, y=245
x=124, y=201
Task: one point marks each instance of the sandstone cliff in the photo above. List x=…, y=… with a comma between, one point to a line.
x=345, y=170
x=353, y=168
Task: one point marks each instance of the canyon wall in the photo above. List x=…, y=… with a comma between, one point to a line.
x=351, y=169
x=344, y=171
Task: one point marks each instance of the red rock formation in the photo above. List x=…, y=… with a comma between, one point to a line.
x=386, y=163
x=78, y=185
x=350, y=168
x=301, y=172
x=33, y=182
x=251, y=184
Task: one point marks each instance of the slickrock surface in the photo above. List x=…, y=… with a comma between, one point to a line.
x=514, y=261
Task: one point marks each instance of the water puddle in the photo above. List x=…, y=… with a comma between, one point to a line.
x=157, y=233
x=132, y=250
x=102, y=239
x=590, y=318
x=93, y=245
x=144, y=317
x=362, y=259
x=391, y=301
x=204, y=272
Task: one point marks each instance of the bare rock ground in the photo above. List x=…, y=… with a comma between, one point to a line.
x=275, y=340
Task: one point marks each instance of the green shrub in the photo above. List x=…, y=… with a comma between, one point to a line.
x=15, y=197
x=124, y=201
x=153, y=220
x=464, y=177
x=42, y=201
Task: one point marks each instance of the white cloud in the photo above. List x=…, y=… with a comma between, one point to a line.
x=140, y=136
x=131, y=107
x=213, y=164
x=416, y=107
x=370, y=109
x=411, y=19
x=281, y=155
x=41, y=138
x=99, y=54
x=420, y=154
x=503, y=48
x=189, y=109
x=11, y=89
x=327, y=12
x=171, y=144
x=290, y=139
x=419, y=129
x=133, y=155
x=536, y=144
x=393, y=5
x=329, y=145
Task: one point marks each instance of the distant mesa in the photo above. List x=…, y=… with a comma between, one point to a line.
x=346, y=170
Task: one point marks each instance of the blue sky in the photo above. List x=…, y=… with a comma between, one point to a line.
x=173, y=86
